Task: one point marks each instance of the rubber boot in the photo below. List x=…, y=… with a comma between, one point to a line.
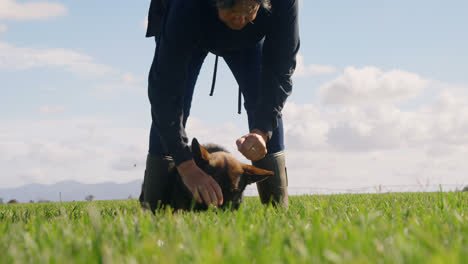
x=159, y=174
x=275, y=188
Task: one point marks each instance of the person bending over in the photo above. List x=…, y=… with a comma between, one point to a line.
x=259, y=41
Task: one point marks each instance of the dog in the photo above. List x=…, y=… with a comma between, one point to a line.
x=231, y=175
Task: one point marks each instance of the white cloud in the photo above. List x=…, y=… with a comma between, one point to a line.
x=378, y=127
x=223, y=134
x=371, y=85
x=126, y=84
x=19, y=58
x=84, y=149
x=12, y=10
x=51, y=109
x=3, y=28
x=303, y=71
x=145, y=23
x=369, y=128
x=305, y=126
x=368, y=145
x=129, y=78
x=334, y=147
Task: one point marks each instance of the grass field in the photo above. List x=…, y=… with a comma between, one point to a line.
x=381, y=228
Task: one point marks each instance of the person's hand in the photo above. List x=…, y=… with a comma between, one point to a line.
x=253, y=145
x=200, y=184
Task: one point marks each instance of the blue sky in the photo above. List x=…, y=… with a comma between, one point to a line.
x=380, y=91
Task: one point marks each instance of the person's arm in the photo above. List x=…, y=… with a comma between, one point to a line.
x=168, y=76
x=166, y=93
x=279, y=62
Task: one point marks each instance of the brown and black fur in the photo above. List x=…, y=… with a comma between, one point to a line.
x=231, y=175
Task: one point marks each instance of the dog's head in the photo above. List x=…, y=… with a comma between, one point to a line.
x=231, y=175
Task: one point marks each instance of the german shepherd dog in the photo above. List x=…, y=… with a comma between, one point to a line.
x=231, y=175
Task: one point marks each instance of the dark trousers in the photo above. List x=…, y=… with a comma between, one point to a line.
x=246, y=66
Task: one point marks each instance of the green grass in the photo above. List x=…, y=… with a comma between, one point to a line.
x=383, y=228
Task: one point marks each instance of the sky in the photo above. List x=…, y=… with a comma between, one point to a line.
x=380, y=94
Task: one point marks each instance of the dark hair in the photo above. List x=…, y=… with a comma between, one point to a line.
x=224, y=4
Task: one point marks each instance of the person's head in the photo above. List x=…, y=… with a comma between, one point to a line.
x=236, y=14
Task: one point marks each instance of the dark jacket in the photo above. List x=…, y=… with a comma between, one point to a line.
x=155, y=17
x=186, y=25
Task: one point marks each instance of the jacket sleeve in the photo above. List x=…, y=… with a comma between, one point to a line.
x=155, y=17
x=279, y=62
x=168, y=76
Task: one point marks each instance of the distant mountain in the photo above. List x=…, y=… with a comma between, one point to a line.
x=72, y=191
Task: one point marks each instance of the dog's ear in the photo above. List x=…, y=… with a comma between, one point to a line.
x=200, y=154
x=254, y=174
